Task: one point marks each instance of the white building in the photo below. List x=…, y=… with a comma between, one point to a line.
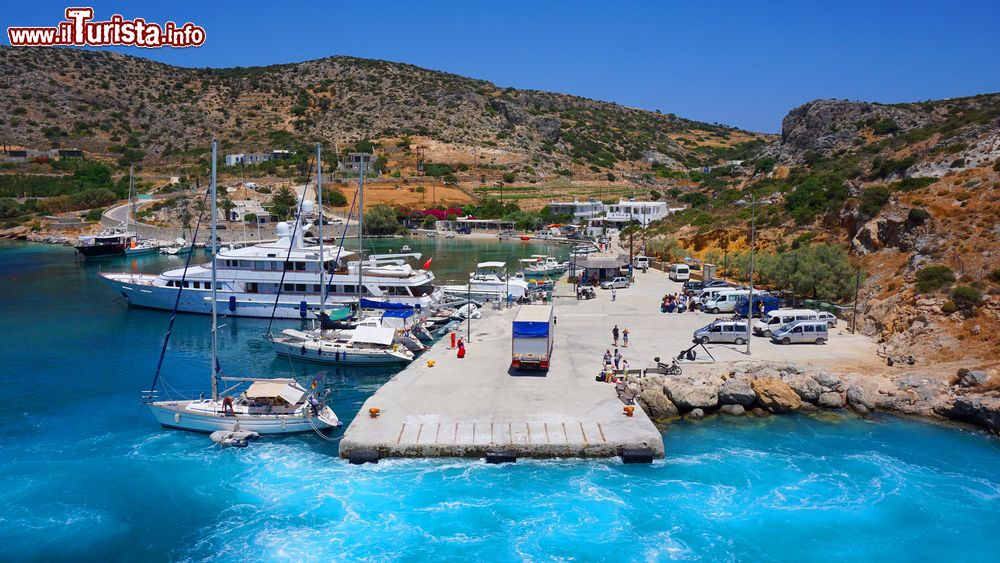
x=642, y=212
x=257, y=157
x=243, y=207
x=582, y=211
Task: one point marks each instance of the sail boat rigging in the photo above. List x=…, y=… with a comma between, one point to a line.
x=266, y=406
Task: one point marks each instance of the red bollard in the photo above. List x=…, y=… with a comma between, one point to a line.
x=452, y=339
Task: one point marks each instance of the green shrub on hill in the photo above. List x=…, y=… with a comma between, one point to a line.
x=966, y=297
x=932, y=278
x=873, y=200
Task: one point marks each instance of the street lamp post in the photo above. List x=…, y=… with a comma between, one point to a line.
x=753, y=233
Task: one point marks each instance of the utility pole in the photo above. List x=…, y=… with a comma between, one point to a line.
x=857, y=287
x=753, y=234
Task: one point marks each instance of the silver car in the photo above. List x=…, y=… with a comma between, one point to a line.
x=811, y=332
x=732, y=332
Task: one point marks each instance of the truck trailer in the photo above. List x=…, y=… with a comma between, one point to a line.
x=531, y=342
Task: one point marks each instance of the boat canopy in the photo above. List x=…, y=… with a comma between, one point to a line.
x=372, y=304
x=491, y=265
x=400, y=314
x=374, y=335
x=284, y=389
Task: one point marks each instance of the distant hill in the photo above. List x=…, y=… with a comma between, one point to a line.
x=130, y=108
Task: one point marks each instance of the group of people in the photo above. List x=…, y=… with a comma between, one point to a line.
x=614, y=363
x=676, y=303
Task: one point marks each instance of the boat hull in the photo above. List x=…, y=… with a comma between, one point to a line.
x=141, y=251
x=172, y=414
x=101, y=250
x=141, y=293
x=314, y=354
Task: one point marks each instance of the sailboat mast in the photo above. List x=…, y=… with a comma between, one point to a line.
x=131, y=202
x=319, y=201
x=215, y=252
x=361, y=227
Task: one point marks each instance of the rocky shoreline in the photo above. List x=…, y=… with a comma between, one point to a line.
x=42, y=236
x=766, y=388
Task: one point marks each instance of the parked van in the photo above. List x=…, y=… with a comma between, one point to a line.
x=830, y=318
x=771, y=321
x=812, y=332
x=762, y=304
x=710, y=293
x=725, y=301
x=734, y=332
x=680, y=272
x=641, y=262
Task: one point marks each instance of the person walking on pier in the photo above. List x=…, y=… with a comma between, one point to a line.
x=614, y=334
x=618, y=358
x=614, y=294
x=625, y=337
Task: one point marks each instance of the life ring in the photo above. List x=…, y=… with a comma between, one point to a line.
x=227, y=406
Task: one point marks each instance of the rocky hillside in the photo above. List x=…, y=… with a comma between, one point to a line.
x=134, y=109
x=913, y=190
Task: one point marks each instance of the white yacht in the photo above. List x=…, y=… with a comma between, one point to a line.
x=248, y=279
x=545, y=266
x=490, y=282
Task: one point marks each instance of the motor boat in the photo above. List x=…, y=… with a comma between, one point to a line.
x=365, y=345
x=490, y=282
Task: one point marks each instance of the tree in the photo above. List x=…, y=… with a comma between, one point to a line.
x=381, y=220
x=227, y=206
x=428, y=221
x=283, y=203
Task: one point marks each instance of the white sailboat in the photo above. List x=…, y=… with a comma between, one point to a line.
x=137, y=246
x=266, y=406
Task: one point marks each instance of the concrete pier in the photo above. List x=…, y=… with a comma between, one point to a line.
x=476, y=405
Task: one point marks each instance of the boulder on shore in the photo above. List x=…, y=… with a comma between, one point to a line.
x=696, y=414
x=732, y=410
x=984, y=411
x=858, y=399
x=804, y=386
x=775, y=395
x=736, y=391
x=656, y=404
x=831, y=400
x=688, y=395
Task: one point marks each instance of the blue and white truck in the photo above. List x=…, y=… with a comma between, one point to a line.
x=531, y=342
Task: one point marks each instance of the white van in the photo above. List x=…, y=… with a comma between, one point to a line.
x=725, y=301
x=710, y=293
x=809, y=332
x=680, y=272
x=641, y=262
x=772, y=320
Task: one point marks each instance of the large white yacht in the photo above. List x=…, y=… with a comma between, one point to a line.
x=248, y=279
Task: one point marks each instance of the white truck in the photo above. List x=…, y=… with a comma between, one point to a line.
x=531, y=342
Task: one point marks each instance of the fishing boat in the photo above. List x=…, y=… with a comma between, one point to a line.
x=545, y=266
x=110, y=242
x=406, y=248
x=180, y=247
x=266, y=406
x=490, y=282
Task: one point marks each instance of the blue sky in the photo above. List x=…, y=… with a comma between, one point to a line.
x=739, y=63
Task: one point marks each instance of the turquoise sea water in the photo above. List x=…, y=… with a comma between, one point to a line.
x=85, y=474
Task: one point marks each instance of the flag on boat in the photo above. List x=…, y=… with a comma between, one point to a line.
x=427, y=264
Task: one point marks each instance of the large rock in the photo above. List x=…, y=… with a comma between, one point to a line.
x=984, y=411
x=859, y=399
x=732, y=410
x=775, y=395
x=689, y=395
x=972, y=378
x=656, y=404
x=736, y=392
x=831, y=400
x=827, y=380
x=696, y=414
x=804, y=386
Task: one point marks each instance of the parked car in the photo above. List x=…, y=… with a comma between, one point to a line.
x=717, y=283
x=693, y=287
x=830, y=318
x=734, y=332
x=771, y=321
x=810, y=332
x=464, y=231
x=617, y=283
